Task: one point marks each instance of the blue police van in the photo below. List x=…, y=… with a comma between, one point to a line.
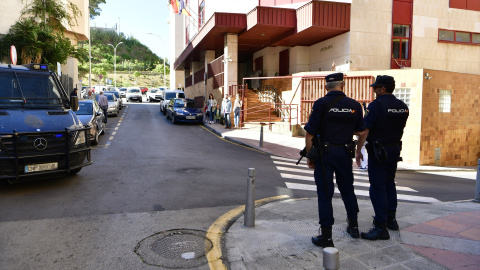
x=40, y=135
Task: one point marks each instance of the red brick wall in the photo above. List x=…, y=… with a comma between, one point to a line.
x=457, y=133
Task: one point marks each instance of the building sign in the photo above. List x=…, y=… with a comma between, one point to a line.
x=326, y=48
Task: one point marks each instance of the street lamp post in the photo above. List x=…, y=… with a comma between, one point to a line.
x=164, y=67
x=115, y=61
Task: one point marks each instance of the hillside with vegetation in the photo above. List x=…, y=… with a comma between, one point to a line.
x=137, y=65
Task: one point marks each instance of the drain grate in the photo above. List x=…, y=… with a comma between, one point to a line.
x=175, y=249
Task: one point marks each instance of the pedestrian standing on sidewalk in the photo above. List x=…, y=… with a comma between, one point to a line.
x=333, y=121
x=103, y=102
x=218, y=113
x=226, y=110
x=211, y=103
x=237, y=107
x=384, y=120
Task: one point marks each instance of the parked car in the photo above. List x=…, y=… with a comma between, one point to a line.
x=134, y=93
x=143, y=89
x=112, y=104
x=167, y=96
x=91, y=115
x=183, y=110
x=119, y=99
x=153, y=94
x=123, y=92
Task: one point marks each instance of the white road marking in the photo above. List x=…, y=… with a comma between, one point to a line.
x=111, y=138
x=280, y=168
x=113, y=133
x=364, y=193
x=116, y=128
x=290, y=164
x=118, y=124
x=359, y=184
x=288, y=159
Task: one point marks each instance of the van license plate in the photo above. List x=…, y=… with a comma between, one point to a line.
x=41, y=167
x=190, y=117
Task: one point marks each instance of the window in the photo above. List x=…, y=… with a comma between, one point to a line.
x=401, y=42
x=446, y=35
x=403, y=94
x=458, y=37
x=201, y=14
x=445, y=101
x=475, y=38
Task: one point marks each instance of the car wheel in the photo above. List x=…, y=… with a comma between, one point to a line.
x=95, y=138
x=168, y=116
x=173, y=119
x=164, y=111
x=140, y=100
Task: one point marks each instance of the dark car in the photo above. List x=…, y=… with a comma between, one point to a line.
x=91, y=115
x=183, y=110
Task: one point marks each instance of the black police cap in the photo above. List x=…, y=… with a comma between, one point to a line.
x=384, y=80
x=334, y=77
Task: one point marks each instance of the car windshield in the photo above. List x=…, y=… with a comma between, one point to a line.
x=84, y=108
x=115, y=93
x=134, y=91
x=153, y=91
x=174, y=95
x=180, y=103
x=123, y=89
x=32, y=90
x=110, y=97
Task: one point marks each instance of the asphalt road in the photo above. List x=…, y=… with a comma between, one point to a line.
x=145, y=163
x=149, y=177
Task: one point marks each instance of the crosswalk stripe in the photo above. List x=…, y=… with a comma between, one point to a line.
x=280, y=168
x=290, y=164
x=359, y=184
x=360, y=192
x=288, y=159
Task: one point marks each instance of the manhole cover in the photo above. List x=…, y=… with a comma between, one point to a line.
x=175, y=249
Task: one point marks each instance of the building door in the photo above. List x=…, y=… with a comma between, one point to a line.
x=284, y=63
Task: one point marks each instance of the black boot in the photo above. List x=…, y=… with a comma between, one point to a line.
x=352, y=228
x=379, y=231
x=324, y=239
x=392, y=222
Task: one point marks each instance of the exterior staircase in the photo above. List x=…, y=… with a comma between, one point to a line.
x=257, y=110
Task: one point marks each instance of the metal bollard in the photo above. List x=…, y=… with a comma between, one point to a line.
x=331, y=259
x=477, y=189
x=261, y=136
x=249, y=216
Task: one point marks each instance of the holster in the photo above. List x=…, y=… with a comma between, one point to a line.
x=350, y=147
x=379, y=151
x=313, y=154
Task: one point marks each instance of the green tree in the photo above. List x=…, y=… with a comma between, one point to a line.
x=39, y=36
x=94, y=9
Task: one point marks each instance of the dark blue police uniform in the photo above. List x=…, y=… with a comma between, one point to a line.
x=386, y=118
x=335, y=130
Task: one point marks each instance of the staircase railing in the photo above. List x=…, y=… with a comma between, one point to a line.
x=282, y=107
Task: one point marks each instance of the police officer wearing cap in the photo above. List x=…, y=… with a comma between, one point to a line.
x=333, y=121
x=384, y=121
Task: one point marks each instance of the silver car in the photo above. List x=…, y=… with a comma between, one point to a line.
x=112, y=104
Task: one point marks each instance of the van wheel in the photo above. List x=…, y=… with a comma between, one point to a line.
x=75, y=171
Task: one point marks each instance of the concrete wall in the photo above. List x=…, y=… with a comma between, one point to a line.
x=270, y=60
x=455, y=134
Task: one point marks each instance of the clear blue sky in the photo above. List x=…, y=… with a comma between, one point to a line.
x=137, y=18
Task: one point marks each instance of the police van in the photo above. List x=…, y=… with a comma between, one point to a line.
x=40, y=135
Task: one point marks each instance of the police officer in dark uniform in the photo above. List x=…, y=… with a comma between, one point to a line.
x=333, y=121
x=384, y=121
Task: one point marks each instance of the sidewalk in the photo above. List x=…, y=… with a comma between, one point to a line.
x=431, y=236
